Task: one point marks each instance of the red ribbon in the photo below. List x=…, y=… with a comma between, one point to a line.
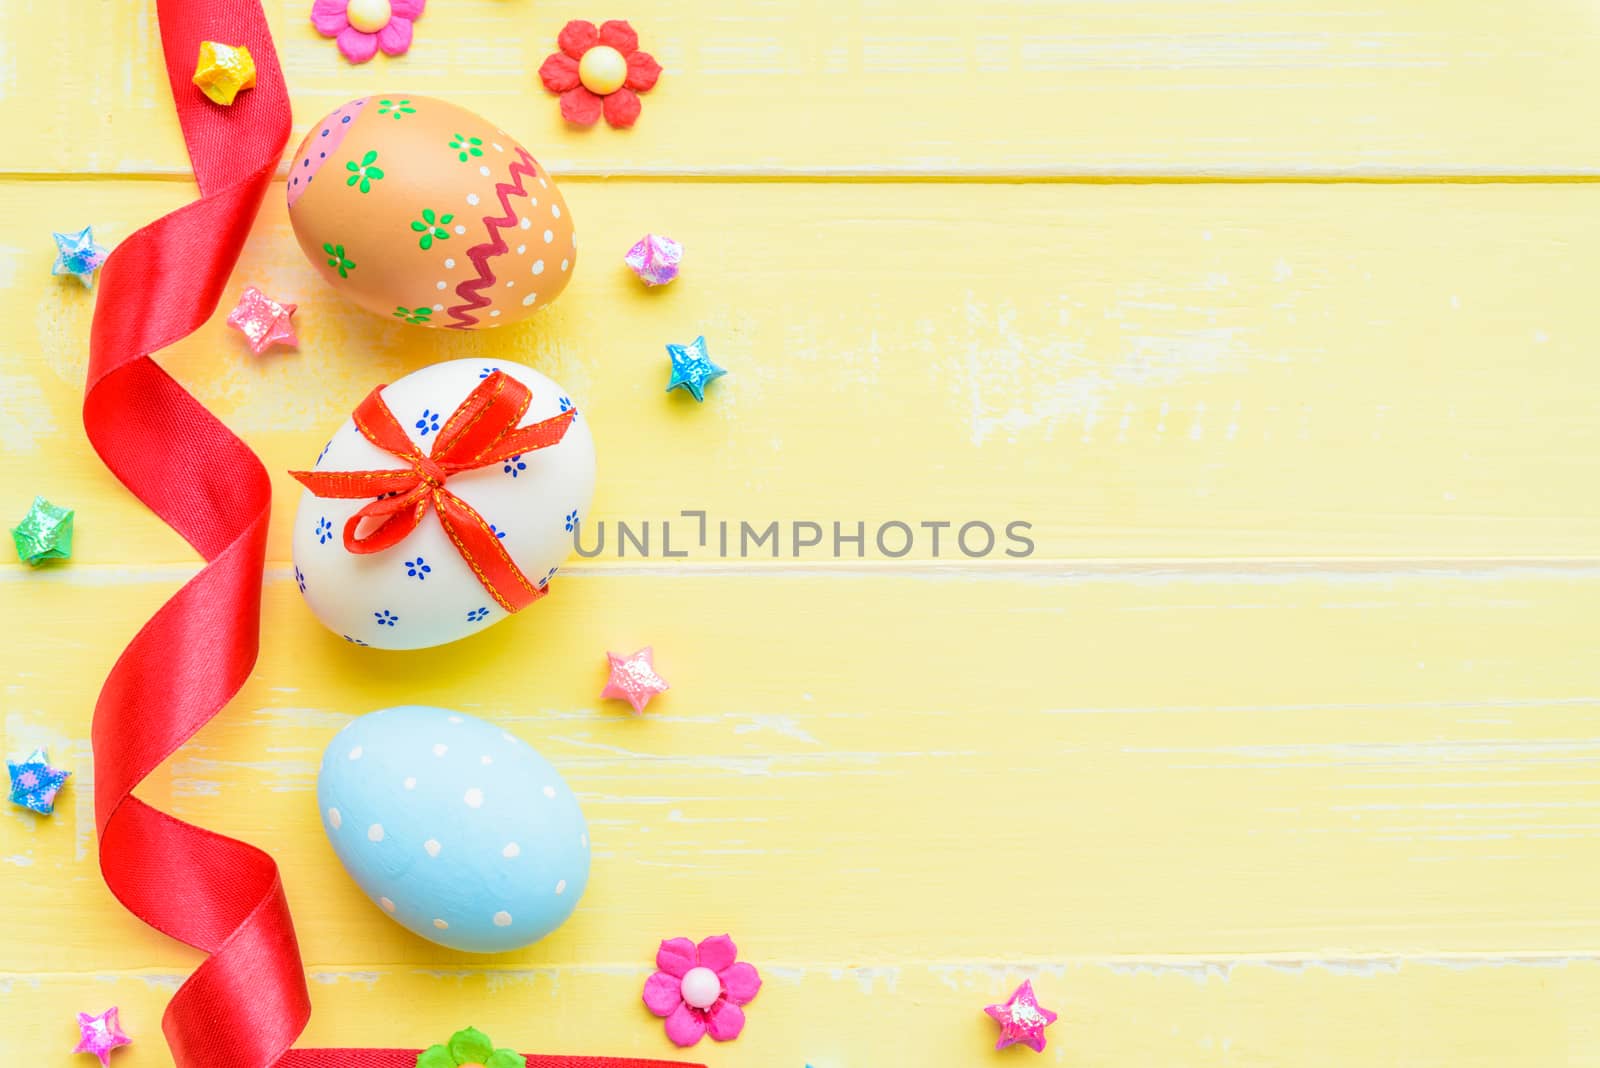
x=247, y=1002
x=481, y=432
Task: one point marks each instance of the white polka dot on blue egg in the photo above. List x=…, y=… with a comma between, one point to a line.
x=456, y=829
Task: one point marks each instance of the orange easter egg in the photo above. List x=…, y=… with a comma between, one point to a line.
x=422, y=211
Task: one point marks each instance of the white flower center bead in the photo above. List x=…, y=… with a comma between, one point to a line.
x=602, y=70
x=368, y=16
x=701, y=988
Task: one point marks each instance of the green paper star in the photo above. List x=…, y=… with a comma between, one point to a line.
x=45, y=533
x=469, y=1047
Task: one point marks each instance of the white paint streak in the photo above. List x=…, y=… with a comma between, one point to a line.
x=784, y=726
x=1076, y=368
x=367, y=979
x=25, y=414
x=869, y=978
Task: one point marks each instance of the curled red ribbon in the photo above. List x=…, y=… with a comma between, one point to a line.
x=481, y=432
x=247, y=1001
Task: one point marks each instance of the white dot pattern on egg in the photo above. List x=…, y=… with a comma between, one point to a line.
x=421, y=592
x=484, y=878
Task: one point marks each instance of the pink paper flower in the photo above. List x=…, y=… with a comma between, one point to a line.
x=699, y=989
x=365, y=26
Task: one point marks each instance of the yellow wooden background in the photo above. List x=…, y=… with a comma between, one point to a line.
x=1277, y=318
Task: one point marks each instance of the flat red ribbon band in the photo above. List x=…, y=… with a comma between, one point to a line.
x=247, y=1002
x=481, y=432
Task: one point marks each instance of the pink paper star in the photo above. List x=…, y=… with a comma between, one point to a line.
x=634, y=679
x=262, y=320
x=101, y=1035
x=1022, y=1019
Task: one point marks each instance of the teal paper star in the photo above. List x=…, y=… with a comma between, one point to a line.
x=692, y=368
x=79, y=256
x=34, y=783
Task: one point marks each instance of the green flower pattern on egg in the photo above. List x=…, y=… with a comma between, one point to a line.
x=338, y=260
x=432, y=228
x=364, y=173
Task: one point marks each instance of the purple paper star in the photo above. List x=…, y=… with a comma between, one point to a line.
x=101, y=1035
x=1022, y=1019
x=34, y=783
x=655, y=259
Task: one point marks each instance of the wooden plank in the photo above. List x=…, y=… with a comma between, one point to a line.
x=874, y=87
x=1140, y=372
x=1145, y=764
x=1319, y=1012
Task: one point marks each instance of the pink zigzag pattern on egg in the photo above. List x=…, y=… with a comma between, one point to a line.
x=470, y=291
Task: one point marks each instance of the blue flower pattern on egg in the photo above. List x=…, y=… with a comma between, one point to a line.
x=477, y=615
x=300, y=578
x=515, y=466
x=429, y=423
x=417, y=569
x=458, y=830
x=548, y=575
x=324, y=531
x=323, y=455
x=572, y=520
x=352, y=641
x=487, y=371
x=386, y=618
x=566, y=405
x=497, y=532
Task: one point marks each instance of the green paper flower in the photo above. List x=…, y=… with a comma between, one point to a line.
x=469, y=1047
x=397, y=108
x=364, y=173
x=336, y=259
x=420, y=316
x=432, y=228
x=467, y=146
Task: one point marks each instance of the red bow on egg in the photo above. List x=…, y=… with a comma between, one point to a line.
x=482, y=432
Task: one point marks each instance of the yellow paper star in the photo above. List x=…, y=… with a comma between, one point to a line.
x=224, y=70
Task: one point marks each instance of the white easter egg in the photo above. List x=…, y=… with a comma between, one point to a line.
x=457, y=830
x=422, y=591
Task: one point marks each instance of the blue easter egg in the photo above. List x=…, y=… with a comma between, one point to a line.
x=457, y=829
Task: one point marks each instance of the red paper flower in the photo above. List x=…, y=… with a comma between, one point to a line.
x=599, y=71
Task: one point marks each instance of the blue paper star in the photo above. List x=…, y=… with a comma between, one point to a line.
x=34, y=783
x=79, y=256
x=692, y=368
